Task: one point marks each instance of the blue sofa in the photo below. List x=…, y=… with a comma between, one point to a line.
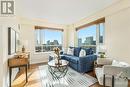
x=80, y=64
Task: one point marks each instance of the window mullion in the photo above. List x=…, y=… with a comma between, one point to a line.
x=104, y=33
x=97, y=34
x=97, y=37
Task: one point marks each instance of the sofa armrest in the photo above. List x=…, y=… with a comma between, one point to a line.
x=113, y=70
x=88, y=58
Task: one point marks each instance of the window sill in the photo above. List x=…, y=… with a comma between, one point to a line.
x=43, y=52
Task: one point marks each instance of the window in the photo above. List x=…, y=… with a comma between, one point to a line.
x=91, y=35
x=47, y=39
x=87, y=36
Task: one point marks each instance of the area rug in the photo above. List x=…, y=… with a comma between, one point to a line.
x=71, y=79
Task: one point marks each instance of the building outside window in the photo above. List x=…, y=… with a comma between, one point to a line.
x=91, y=36
x=47, y=39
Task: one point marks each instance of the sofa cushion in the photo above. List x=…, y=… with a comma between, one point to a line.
x=66, y=57
x=89, y=51
x=76, y=51
x=73, y=59
x=70, y=58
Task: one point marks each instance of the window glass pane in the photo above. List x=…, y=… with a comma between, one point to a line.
x=101, y=33
x=87, y=37
x=37, y=34
x=53, y=37
x=48, y=39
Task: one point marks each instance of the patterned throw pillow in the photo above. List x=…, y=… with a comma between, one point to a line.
x=70, y=51
x=82, y=53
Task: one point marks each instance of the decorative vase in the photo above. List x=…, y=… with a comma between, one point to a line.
x=23, y=49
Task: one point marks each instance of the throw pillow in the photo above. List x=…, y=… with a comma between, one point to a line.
x=89, y=51
x=77, y=51
x=70, y=51
x=82, y=53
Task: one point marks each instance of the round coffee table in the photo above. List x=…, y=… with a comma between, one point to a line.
x=58, y=71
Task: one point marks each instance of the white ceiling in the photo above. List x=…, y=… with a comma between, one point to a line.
x=60, y=11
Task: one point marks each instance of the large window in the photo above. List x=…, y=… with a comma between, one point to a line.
x=91, y=35
x=47, y=39
x=87, y=36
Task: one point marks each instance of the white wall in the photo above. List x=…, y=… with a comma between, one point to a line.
x=117, y=29
x=5, y=23
x=118, y=34
x=71, y=35
x=1, y=63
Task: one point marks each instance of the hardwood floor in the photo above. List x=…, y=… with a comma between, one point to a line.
x=34, y=79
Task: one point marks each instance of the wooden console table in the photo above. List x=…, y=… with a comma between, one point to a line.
x=24, y=55
x=17, y=62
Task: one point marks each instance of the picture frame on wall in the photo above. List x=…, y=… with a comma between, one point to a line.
x=13, y=41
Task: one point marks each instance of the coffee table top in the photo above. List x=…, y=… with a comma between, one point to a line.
x=52, y=63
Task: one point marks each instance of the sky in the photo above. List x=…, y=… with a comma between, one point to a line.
x=49, y=35
x=89, y=31
x=53, y=35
